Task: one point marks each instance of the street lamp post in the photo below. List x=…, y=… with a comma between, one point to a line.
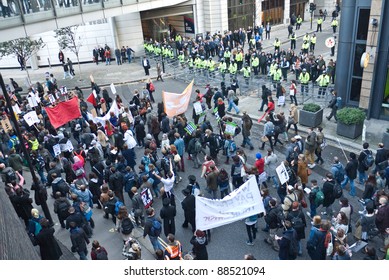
x=36, y=186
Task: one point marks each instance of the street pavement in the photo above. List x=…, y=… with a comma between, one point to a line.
x=128, y=77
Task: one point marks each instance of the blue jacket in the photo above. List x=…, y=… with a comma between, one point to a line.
x=179, y=143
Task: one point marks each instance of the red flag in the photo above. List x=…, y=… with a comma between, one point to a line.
x=92, y=100
x=64, y=112
x=260, y=119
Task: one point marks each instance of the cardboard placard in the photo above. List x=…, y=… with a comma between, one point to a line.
x=230, y=128
x=197, y=107
x=31, y=118
x=6, y=125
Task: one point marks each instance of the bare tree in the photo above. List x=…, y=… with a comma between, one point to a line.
x=68, y=40
x=23, y=48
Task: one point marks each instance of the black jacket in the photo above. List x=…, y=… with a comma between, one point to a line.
x=328, y=191
x=351, y=169
x=116, y=181
x=272, y=217
x=381, y=156
x=189, y=207
x=48, y=245
x=79, y=240
x=361, y=158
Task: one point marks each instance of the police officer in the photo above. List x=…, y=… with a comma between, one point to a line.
x=319, y=23
x=277, y=75
x=304, y=80
x=246, y=73
x=227, y=56
x=223, y=68
x=277, y=45
x=298, y=22
x=323, y=80
x=334, y=24
x=255, y=63
x=233, y=68
x=293, y=41
x=305, y=47
x=313, y=43
x=211, y=67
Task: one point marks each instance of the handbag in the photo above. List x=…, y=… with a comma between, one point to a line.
x=290, y=120
x=79, y=171
x=323, y=145
x=264, y=138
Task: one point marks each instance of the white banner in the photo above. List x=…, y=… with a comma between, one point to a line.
x=114, y=108
x=241, y=203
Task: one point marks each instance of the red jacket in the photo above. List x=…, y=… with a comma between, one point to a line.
x=260, y=165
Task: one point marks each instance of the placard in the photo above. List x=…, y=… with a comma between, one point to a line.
x=197, y=107
x=6, y=124
x=31, y=118
x=32, y=101
x=113, y=89
x=282, y=173
x=16, y=109
x=51, y=99
x=57, y=149
x=230, y=128
x=147, y=197
x=69, y=146
x=202, y=118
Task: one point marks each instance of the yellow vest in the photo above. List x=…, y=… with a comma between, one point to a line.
x=313, y=40
x=304, y=78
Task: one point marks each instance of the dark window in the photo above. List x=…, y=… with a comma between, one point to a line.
x=355, y=93
x=359, y=50
x=363, y=24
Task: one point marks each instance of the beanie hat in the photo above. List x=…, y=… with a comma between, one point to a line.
x=258, y=156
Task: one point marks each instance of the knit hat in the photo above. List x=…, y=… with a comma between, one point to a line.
x=258, y=156
x=199, y=233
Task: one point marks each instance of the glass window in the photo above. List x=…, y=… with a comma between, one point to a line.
x=356, y=84
x=359, y=50
x=363, y=24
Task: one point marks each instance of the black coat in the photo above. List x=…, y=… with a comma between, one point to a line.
x=189, y=207
x=328, y=190
x=361, y=158
x=351, y=169
x=22, y=204
x=79, y=240
x=300, y=232
x=381, y=156
x=199, y=247
x=48, y=245
x=167, y=214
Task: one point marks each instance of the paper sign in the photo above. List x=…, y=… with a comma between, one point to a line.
x=57, y=149
x=230, y=128
x=6, y=124
x=282, y=173
x=69, y=146
x=113, y=89
x=91, y=78
x=52, y=99
x=197, y=107
x=94, y=113
x=32, y=101
x=16, y=109
x=31, y=118
x=147, y=197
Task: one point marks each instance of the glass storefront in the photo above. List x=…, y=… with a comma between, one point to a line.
x=240, y=13
x=272, y=11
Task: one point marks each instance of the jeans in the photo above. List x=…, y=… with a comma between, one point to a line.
x=246, y=140
x=231, y=105
x=196, y=162
x=304, y=89
x=271, y=239
x=251, y=232
x=352, y=186
x=43, y=177
x=155, y=242
x=223, y=193
x=362, y=177
x=83, y=255
x=275, y=181
x=313, y=209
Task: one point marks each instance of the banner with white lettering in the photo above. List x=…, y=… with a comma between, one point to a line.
x=241, y=203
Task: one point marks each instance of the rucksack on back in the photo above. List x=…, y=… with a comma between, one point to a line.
x=156, y=228
x=197, y=146
x=319, y=198
x=337, y=191
x=293, y=247
x=63, y=209
x=127, y=226
x=368, y=160
x=118, y=204
x=232, y=147
x=63, y=187
x=101, y=254
x=297, y=222
x=339, y=176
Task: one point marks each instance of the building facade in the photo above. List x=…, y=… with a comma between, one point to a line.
x=364, y=82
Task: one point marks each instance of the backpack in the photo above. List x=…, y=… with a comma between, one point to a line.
x=101, y=254
x=319, y=198
x=156, y=228
x=293, y=247
x=339, y=102
x=63, y=209
x=337, y=192
x=152, y=88
x=368, y=160
x=127, y=226
x=280, y=217
x=297, y=222
x=339, y=175
x=15, y=142
x=232, y=147
x=197, y=146
x=63, y=187
x=118, y=204
x=218, y=141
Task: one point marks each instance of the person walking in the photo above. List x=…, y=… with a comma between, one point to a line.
x=333, y=105
x=153, y=227
x=293, y=92
x=70, y=64
x=48, y=245
x=189, y=207
x=159, y=72
x=310, y=146
x=173, y=249
x=365, y=161
x=79, y=240
x=231, y=101
x=268, y=30
x=319, y=24
x=320, y=145
x=328, y=191
x=251, y=227
x=247, y=124
x=167, y=214
x=334, y=25
x=268, y=131
x=146, y=66
x=199, y=242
